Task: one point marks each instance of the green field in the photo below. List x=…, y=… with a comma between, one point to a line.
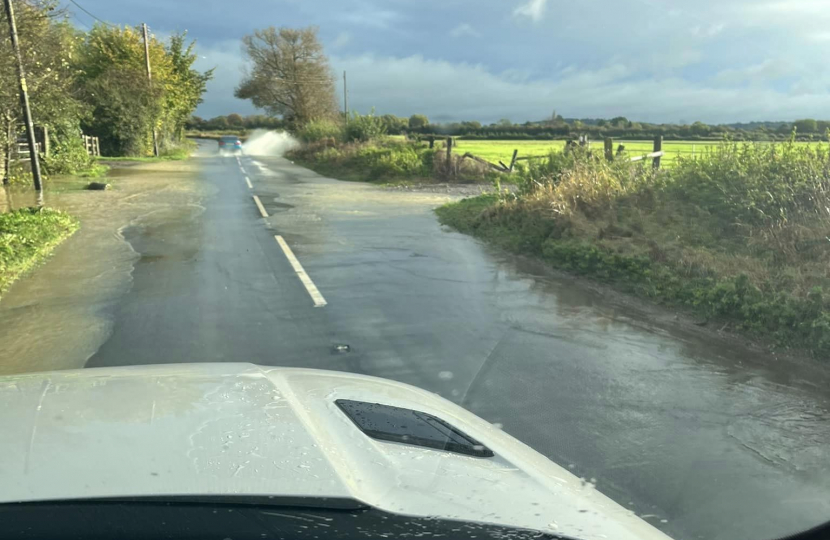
x=495, y=151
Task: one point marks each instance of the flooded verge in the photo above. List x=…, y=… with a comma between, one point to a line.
x=57, y=315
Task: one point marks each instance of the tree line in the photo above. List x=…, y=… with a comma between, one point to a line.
x=621, y=127
x=290, y=78
x=95, y=83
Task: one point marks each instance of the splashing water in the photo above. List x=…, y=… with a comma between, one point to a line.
x=269, y=143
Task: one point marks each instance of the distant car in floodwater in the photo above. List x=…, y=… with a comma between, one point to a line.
x=231, y=144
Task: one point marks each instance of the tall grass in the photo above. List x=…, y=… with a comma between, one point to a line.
x=740, y=233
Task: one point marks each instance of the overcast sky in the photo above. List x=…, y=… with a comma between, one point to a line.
x=649, y=60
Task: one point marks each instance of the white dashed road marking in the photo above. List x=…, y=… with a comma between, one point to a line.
x=261, y=208
x=248, y=181
x=318, y=299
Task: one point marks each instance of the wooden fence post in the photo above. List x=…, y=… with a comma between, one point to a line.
x=449, y=154
x=44, y=130
x=431, y=142
x=609, y=148
x=658, y=147
x=513, y=161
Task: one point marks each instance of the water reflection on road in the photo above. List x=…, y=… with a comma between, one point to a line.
x=706, y=438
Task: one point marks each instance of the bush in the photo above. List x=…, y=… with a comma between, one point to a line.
x=387, y=160
x=317, y=130
x=365, y=128
x=399, y=161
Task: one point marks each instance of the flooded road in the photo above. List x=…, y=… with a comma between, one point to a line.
x=702, y=438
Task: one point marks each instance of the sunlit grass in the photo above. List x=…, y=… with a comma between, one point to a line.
x=502, y=150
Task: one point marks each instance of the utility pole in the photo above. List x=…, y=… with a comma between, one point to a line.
x=24, y=98
x=345, y=100
x=149, y=78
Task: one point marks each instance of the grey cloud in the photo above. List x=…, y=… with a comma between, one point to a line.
x=709, y=59
x=464, y=30
x=466, y=91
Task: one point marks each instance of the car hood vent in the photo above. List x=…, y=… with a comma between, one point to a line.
x=407, y=426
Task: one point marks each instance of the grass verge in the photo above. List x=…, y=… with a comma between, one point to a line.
x=738, y=236
x=27, y=236
x=388, y=161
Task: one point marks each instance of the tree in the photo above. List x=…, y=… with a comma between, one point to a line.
x=807, y=125
x=126, y=106
x=218, y=123
x=619, y=121
x=505, y=122
x=235, y=120
x=700, y=129
x=394, y=125
x=290, y=75
x=185, y=90
x=417, y=121
x=47, y=43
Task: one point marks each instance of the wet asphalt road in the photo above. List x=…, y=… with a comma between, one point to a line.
x=702, y=438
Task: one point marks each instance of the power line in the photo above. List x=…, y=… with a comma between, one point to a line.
x=79, y=21
x=79, y=6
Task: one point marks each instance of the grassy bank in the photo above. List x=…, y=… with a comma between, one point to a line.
x=738, y=235
x=27, y=236
x=382, y=160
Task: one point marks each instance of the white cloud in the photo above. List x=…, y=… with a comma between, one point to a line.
x=470, y=91
x=764, y=73
x=371, y=16
x=708, y=31
x=533, y=9
x=342, y=39
x=464, y=30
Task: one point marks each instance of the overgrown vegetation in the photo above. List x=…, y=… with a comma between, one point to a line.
x=27, y=236
x=94, y=83
x=126, y=108
x=362, y=150
x=739, y=234
x=380, y=160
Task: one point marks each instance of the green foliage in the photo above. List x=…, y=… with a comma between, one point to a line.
x=417, y=121
x=318, y=130
x=394, y=125
x=67, y=152
x=752, y=184
x=289, y=76
x=739, y=234
x=365, y=127
x=372, y=161
x=47, y=45
x=27, y=236
x=126, y=107
x=807, y=125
